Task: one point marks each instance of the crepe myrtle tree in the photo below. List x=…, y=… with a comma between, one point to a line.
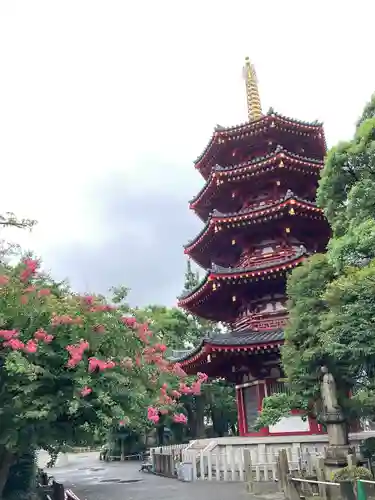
x=72, y=366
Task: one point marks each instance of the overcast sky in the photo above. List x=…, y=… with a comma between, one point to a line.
x=104, y=105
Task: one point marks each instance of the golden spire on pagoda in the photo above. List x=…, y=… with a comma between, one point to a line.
x=254, y=108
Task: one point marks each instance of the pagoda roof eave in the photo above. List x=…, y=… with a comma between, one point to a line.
x=247, y=214
x=221, y=132
x=232, y=341
x=255, y=164
x=218, y=273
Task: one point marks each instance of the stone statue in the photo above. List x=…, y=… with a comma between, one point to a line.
x=329, y=392
x=338, y=445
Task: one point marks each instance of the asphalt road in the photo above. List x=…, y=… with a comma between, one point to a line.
x=92, y=479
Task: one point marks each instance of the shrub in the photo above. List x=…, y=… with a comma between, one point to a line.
x=352, y=474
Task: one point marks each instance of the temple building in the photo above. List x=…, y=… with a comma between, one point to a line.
x=260, y=221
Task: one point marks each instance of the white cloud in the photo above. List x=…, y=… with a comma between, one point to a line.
x=89, y=88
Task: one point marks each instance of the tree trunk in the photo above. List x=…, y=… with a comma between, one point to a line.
x=6, y=461
x=234, y=429
x=219, y=423
x=146, y=438
x=200, y=404
x=191, y=421
x=160, y=434
x=122, y=447
x=22, y=475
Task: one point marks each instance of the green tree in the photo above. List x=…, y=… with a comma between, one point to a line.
x=347, y=164
x=171, y=325
x=349, y=338
x=356, y=247
x=368, y=112
x=221, y=407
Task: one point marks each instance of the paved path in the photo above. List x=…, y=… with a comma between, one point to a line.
x=92, y=479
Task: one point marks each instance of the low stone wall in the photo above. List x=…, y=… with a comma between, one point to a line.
x=271, y=445
x=223, y=458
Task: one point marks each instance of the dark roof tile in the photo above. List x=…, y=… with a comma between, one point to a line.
x=247, y=338
x=231, y=339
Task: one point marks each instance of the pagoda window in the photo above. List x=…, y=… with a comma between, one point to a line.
x=277, y=387
x=251, y=405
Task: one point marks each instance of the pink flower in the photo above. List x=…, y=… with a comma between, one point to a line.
x=31, y=346
x=43, y=292
x=88, y=300
x=153, y=414
x=76, y=353
x=65, y=319
x=42, y=335
x=164, y=399
x=30, y=268
x=14, y=344
x=84, y=345
x=97, y=364
x=196, y=388
x=61, y=320
x=129, y=321
x=73, y=362
x=184, y=389
x=30, y=289
x=161, y=347
x=203, y=377
x=176, y=394
x=163, y=411
x=102, y=308
x=99, y=328
x=143, y=333
x=177, y=370
x=8, y=334
x=74, y=350
x=4, y=280
x=94, y=364
x=24, y=299
x=179, y=418
x=86, y=391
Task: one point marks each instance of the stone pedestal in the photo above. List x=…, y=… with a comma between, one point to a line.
x=336, y=458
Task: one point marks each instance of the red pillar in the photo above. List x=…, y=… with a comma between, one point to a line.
x=262, y=392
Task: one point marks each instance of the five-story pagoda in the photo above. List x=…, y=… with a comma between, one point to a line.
x=261, y=221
